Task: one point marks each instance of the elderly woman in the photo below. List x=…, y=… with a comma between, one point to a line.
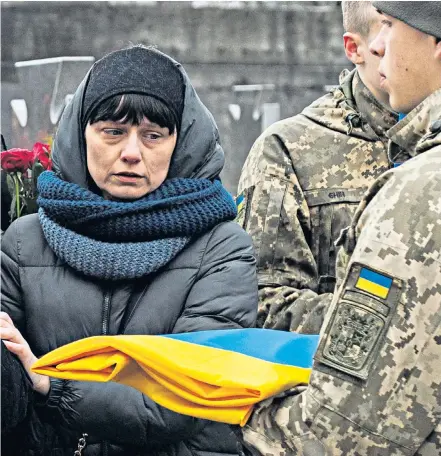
x=134, y=236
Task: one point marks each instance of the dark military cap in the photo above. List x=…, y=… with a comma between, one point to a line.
x=424, y=16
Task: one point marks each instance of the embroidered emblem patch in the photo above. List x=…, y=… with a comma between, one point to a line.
x=359, y=321
x=374, y=283
x=352, y=336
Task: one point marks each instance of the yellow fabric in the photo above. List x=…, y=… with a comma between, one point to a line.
x=191, y=379
x=373, y=288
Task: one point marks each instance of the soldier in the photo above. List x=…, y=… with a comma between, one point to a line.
x=375, y=387
x=304, y=178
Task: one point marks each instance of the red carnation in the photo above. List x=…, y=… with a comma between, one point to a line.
x=16, y=160
x=42, y=153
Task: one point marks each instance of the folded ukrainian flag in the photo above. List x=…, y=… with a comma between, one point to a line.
x=216, y=375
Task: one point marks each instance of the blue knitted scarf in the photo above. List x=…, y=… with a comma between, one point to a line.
x=125, y=240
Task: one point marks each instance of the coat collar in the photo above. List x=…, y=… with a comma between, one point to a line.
x=420, y=130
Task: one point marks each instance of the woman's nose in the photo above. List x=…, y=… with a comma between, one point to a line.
x=131, y=151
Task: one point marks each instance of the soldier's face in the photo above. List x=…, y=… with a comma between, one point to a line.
x=410, y=65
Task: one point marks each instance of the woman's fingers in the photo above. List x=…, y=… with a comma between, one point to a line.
x=16, y=343
x=5, y=324
x=5, y=317
x=8, y=333
x=12, y=334
x=17, y=349
x=41, y=383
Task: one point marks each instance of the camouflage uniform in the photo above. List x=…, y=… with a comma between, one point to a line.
x=375, y=388
x=301, y=183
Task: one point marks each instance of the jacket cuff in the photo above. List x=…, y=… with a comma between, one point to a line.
x=57, y=405
x=52, y=399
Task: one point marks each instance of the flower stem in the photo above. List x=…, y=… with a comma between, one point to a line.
x=17, y=195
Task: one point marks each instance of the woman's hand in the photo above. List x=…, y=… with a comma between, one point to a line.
x=16, y=344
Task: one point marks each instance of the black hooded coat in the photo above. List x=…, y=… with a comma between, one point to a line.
x=211, y=284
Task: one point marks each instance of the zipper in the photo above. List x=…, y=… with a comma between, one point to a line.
x=82, y=443
x=106, y=312
x=104, y=331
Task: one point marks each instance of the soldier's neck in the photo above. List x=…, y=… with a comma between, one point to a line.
x=379, y=117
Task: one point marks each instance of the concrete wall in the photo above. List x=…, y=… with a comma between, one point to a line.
x=296, y=46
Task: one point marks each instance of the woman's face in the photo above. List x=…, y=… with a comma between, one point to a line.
x=128, y=161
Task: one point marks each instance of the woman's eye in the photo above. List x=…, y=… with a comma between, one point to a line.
x=113, y=131
x=152, y=136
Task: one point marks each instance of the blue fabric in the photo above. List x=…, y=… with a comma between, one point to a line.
x=375, y=277
x=279, y=347
x=125, y=240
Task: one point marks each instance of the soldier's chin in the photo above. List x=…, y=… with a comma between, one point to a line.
x=398, y=105
x=404, y=103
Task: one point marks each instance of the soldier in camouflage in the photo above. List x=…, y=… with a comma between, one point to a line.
x=375, y=388
x=304, y=178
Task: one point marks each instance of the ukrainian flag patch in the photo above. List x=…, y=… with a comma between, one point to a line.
x=374, y=283
x=240, y=201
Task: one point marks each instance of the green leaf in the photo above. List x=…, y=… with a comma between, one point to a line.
x=13, y=209
x=10, y=182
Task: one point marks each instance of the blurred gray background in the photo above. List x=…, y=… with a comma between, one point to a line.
x=250, y=62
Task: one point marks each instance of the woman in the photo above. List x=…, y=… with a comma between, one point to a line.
x=135, y=236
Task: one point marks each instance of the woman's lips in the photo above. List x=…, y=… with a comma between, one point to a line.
x=128, y=178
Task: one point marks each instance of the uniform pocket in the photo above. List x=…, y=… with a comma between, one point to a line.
x=331, y=211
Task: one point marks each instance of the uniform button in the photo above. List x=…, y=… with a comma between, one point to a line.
x=436, y=126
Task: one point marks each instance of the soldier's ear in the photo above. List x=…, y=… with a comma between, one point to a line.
x=352, y=42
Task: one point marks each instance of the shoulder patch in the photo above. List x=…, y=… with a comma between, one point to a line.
x=242, y=203
x=359, y=321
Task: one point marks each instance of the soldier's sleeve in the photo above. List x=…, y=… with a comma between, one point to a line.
x=273, y=210
x=375, y=387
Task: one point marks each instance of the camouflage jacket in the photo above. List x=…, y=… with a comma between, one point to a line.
x=300, y=186
x=375, y=387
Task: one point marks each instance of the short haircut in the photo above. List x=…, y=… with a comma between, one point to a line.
x=133, y=108
x=357, y=16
